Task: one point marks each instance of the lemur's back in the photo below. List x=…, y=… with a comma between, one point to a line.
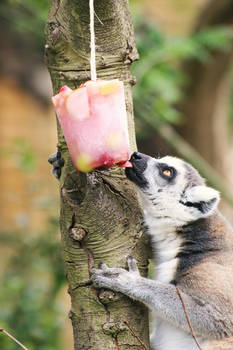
x=207, y=245
x=198, y=259
x=211, y=277
x=225, y=344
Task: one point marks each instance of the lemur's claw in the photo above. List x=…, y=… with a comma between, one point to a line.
x=57, y=162
x=132, y=265
x=116, y=278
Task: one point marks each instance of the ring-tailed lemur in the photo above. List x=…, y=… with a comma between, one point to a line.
x=193, y=251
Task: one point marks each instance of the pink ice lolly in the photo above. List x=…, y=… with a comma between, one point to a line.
x=94, y=122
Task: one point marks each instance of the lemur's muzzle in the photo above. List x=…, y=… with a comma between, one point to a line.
x=135, y=174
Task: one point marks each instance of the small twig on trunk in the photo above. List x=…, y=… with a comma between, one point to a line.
x=135, y=335
x=13, y=338
x=187, y=318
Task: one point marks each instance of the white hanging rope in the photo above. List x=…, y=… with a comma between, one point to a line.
x=92, y=45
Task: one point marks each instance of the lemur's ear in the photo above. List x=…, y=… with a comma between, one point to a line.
x=204, y=199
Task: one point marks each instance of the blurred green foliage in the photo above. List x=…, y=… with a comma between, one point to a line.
x=21, y=154
x=26, y=19
x=159, y=73
x=26, y=159
x=33, y=272
x=30, y=284
x=231, y=104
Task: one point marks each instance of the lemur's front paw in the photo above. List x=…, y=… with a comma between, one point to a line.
x=117, y=279
x=57, y=162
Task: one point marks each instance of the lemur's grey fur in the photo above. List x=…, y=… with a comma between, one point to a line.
x=193, y=247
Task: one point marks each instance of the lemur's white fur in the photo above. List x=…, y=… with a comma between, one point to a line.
x=169, y=206
x=167, y=337
x=158, y=205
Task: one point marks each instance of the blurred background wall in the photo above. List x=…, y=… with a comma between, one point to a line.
x=185, y=82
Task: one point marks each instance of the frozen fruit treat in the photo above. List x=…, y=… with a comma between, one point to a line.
x=94, y=122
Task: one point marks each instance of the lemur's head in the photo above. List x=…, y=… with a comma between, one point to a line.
x=171, y=189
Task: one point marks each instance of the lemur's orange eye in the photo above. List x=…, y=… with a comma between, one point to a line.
x=167, y=172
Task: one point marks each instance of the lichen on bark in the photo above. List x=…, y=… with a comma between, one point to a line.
x=100, y=217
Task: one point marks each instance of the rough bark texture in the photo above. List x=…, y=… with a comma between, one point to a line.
x=100, y=217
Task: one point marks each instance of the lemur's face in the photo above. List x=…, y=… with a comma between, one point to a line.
x=171, y=188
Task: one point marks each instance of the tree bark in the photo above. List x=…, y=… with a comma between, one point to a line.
x=100, y=217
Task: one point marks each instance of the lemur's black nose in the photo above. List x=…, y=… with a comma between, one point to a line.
x=137, y=155
x=135, y=174
x=139, y=161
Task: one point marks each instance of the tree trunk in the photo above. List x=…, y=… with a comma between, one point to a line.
x=100, y=217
